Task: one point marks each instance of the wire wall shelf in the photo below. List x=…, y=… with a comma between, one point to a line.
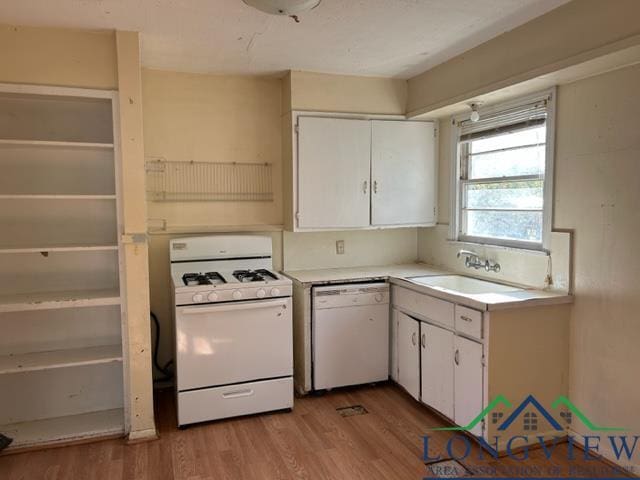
x=171, y=181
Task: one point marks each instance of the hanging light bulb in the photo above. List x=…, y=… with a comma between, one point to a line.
x=475, y=115
x=283, y=7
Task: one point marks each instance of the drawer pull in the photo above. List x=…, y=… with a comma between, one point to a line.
x=238, y=393
x=466, y=319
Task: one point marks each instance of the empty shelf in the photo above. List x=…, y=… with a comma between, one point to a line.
x=77, y=357
x=45, y=143
x=53, y=196
x=65, y=429
x=56, y=248
x=49, y=300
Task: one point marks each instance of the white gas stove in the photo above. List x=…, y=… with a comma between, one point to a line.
x=203, y=286
x=234, y=345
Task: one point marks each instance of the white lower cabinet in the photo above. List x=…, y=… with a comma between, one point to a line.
x=393, y=344
x=460, y=349
x=437, y=368
x=468, y=382
x=432, y=361
x=408, y=354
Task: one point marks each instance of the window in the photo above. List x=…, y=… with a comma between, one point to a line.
x=502, y=170
x=530, y=421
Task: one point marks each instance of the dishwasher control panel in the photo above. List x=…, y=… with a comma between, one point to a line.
x=333, y=296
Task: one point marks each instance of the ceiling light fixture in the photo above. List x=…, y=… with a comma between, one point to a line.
x=475, y=115
x=283, y=7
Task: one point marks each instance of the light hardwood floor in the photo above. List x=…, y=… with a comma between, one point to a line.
x=312, y=442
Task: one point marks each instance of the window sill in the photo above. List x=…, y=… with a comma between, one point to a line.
x=525, y=250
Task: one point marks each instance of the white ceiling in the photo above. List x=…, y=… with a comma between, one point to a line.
x=397, y=38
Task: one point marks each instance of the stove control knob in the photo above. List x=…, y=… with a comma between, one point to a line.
x=237, y=294
x=261, y=293
x=378, y=298
x=198, y=297
x=275, y=292
x=213, y=296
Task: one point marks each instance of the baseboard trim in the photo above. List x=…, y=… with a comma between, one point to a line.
x=140, y=436
x=59, y=444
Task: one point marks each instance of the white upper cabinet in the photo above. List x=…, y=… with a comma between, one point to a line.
x=333, y=173
x=354, y=173
x=402, y=173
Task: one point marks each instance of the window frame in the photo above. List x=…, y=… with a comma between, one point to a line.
x=457, y=190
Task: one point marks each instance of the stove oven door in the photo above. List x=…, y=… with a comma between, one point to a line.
x=233, y=342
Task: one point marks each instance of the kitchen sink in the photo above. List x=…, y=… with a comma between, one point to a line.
x=460, y=284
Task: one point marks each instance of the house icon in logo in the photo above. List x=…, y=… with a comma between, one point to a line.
x=531, y=411
x=530, y=418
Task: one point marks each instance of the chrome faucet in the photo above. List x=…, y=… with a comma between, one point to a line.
x=473, y=260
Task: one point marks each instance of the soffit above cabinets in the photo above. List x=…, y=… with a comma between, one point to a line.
x=376, y=38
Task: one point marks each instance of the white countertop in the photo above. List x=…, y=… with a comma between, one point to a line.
x=333, y=275
x=401, y=275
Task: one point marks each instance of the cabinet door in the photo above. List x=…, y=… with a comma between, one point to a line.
x=468, y=382
x=437, y=368
x=409, y=355
x=403, y=173
x=333, y=173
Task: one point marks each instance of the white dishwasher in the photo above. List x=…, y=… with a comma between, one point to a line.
x=350, y=334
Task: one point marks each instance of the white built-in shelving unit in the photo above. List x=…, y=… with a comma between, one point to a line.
x=61, y=351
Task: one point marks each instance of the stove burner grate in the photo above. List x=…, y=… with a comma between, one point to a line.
x=209, y=278
x=260, y=275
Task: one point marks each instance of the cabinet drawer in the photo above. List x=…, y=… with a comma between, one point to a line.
x=469, y=322
x=234, y=400
x=439, y=311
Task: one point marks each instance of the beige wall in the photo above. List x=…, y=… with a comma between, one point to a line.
x=597, y=193
x=55, y=56
x=213, y=119
x=597, y=196
x=313, y=250
x=342, y=93
x=548, y=43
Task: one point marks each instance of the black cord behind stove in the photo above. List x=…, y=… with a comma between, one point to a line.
x=167, y=374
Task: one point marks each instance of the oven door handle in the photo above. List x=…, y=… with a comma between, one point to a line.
x=230, y=307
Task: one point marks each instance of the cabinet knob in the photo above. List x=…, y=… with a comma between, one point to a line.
x=365, y=184
x=423, y=340
x=413, y=338
x=375, y=186
x=456, y=357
